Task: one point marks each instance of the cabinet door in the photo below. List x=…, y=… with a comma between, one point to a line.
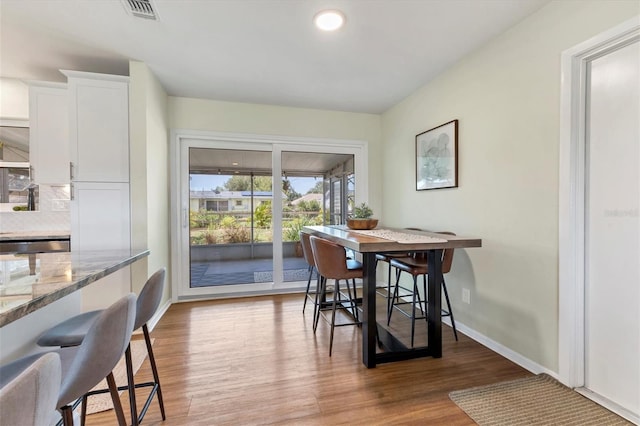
x=49, y=133
x=99, y=132
x=100, y=218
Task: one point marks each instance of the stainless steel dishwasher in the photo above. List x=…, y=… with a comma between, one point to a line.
x=31, y=247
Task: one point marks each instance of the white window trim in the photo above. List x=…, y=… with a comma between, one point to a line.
x=179, y=209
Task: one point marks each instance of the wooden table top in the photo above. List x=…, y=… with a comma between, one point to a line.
x=362, y=243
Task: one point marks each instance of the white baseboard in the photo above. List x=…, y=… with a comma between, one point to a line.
x=610, y=405
x=467, y=331
x=502, y=350
x=498, y=348
x=536, y=368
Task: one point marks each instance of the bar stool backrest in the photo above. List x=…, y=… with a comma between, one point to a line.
x=30, y=398
x=149, y=298
x=307, y=251
x=447, y=255
x=100, y=351
x=330, y=258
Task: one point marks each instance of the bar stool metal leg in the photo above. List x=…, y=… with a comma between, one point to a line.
x=320, y=291
x=450, y=311
x=306, y=295
x=336, y=296
x=117, y=406
x=156, y=378
x=132, y=389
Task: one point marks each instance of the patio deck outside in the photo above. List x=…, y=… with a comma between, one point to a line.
x=245, y=271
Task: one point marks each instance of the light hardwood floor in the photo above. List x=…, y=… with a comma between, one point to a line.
x=256, y=361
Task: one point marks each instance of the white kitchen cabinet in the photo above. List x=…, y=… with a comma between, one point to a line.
x=99, y=147
x=99, y=142
x=100, y=216
x=49, y=132
x=100, y=220
x=99, y=126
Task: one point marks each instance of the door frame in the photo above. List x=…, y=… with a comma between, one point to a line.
x=571, y=232
x=179, y=209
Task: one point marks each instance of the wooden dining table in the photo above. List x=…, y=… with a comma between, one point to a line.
x=384, y=239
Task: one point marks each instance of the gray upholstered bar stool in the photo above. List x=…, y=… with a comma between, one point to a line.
x=73, y=331
x=332, y=263
x=31, y=397
x=84, y=366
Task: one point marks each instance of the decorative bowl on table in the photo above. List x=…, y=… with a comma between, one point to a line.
x=362, y=223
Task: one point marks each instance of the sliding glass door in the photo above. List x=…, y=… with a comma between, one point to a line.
x=230, y=198
x=243, y=204
x=303, y=181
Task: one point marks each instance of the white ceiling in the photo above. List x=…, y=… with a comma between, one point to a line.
x=258, y=51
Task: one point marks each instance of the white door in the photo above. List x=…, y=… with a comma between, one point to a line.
x=612, y=227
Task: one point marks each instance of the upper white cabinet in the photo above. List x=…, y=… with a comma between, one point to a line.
x=49, y=132
x=99, y=126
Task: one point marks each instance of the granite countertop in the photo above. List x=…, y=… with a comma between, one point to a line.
x=34, y=235
x=29, y=282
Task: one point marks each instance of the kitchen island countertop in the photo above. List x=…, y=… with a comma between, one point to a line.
x=24, y=289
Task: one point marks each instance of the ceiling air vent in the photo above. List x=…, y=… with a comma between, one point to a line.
x=141, y=8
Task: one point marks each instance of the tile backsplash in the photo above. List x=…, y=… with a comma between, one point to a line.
x=52, y=212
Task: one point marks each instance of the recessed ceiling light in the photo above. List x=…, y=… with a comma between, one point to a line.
x=329, y=20
x=234, y=163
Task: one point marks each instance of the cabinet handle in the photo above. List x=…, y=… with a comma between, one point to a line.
x=32, y=174
x=71, y=197
x=71, y=170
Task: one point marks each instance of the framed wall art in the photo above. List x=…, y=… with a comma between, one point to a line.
x=437, y=157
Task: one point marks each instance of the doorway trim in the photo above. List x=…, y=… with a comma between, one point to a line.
x=571, y=232
x=179, y=209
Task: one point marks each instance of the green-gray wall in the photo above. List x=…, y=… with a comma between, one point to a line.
x=149, y=129
x=507, y=98
x=233, y=117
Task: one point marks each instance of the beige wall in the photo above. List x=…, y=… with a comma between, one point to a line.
x=199, y=114
x=506, y=96
x=14, y=99
x=149, y=125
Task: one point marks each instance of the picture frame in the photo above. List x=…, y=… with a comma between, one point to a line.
x=437, y=157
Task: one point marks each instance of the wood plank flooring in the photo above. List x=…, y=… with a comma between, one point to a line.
x=256, y=361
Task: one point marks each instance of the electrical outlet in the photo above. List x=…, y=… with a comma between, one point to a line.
x=466, y=296
x=60, y=205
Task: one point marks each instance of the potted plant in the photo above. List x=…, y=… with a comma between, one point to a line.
x=362, y=218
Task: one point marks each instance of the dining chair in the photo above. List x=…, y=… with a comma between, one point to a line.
x=29, y=392
x=387, y=257
x=332, y=263
x=72, y=332
x=416, y=265
x=307, y=253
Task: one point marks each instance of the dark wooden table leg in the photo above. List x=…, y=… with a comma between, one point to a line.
x=434, y=259
x=369, y=310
